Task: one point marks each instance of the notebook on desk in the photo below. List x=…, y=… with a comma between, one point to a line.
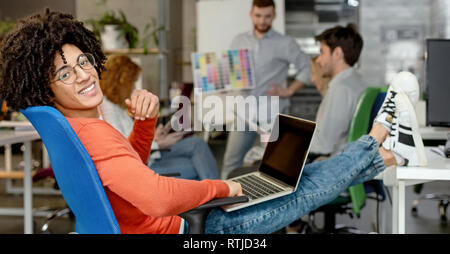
x=281, y=167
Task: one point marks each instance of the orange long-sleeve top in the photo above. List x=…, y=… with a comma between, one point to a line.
x=143, y=201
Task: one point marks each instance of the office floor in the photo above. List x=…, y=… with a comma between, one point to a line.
x=427, y=221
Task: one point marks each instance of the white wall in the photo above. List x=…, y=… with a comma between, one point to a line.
x=440, y=19
x=375, y=18
x=219, y=21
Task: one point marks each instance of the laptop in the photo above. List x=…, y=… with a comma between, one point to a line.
x=281, y=167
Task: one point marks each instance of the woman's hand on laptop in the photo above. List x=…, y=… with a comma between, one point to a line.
x=142, y=104
x=235, y=188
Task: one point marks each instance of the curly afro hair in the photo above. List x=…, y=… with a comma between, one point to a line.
x=27, y=56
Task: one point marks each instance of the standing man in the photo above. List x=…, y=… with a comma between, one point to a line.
x=340, y=48
x=273, y=53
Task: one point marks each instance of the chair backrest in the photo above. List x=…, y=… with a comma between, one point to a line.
x=75, y=172
x=368, y=105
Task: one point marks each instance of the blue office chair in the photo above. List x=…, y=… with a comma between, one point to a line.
x=79, y=182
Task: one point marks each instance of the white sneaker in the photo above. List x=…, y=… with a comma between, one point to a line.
x=405, y=140
x=405, y=82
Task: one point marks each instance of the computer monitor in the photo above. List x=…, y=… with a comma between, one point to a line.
x=438, y=82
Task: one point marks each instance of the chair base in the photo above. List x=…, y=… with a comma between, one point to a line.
x=59, y=213
x=330, y=227
x=310, y=228
x=444, y=201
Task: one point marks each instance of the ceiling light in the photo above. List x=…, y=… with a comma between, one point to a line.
x=353, y=3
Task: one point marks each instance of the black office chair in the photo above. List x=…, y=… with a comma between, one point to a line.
x=80, y=184
x=443, y=200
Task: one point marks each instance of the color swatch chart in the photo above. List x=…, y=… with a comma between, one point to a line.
x=229, y=69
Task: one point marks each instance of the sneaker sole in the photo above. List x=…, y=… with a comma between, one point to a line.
x=415, y=130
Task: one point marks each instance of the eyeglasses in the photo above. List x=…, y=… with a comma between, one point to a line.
x=68, y=74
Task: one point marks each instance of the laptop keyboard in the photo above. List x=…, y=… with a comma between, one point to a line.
x=254, y=187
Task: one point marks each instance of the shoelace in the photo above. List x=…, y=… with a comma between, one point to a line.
x=389, y=108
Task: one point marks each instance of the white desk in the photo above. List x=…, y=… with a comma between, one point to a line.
x=438, y=168
x=19, y=124
x=23, y=126
x=9, y=137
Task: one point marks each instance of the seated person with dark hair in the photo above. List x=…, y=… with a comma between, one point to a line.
x=340, y=48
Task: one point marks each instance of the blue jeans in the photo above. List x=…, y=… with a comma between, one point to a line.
x=320, y=183
x=191, y=157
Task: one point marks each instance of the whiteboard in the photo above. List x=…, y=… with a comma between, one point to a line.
x=218, y=21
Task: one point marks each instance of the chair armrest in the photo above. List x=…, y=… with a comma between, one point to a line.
x=196, y=217
x=223, y=201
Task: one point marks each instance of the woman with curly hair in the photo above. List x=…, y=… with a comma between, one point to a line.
x=171, y=153
x=52, y=59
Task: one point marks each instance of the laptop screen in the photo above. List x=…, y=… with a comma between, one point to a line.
x=285, y=156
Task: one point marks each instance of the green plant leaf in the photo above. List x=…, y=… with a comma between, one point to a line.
x=126, y=29
x=6, y=26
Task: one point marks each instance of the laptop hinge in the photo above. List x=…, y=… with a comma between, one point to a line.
x=276, y=181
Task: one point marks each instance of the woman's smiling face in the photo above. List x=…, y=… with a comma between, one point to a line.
x=80, y=95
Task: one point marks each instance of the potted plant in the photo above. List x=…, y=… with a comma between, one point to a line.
x=114, y=31
x=151, y=31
